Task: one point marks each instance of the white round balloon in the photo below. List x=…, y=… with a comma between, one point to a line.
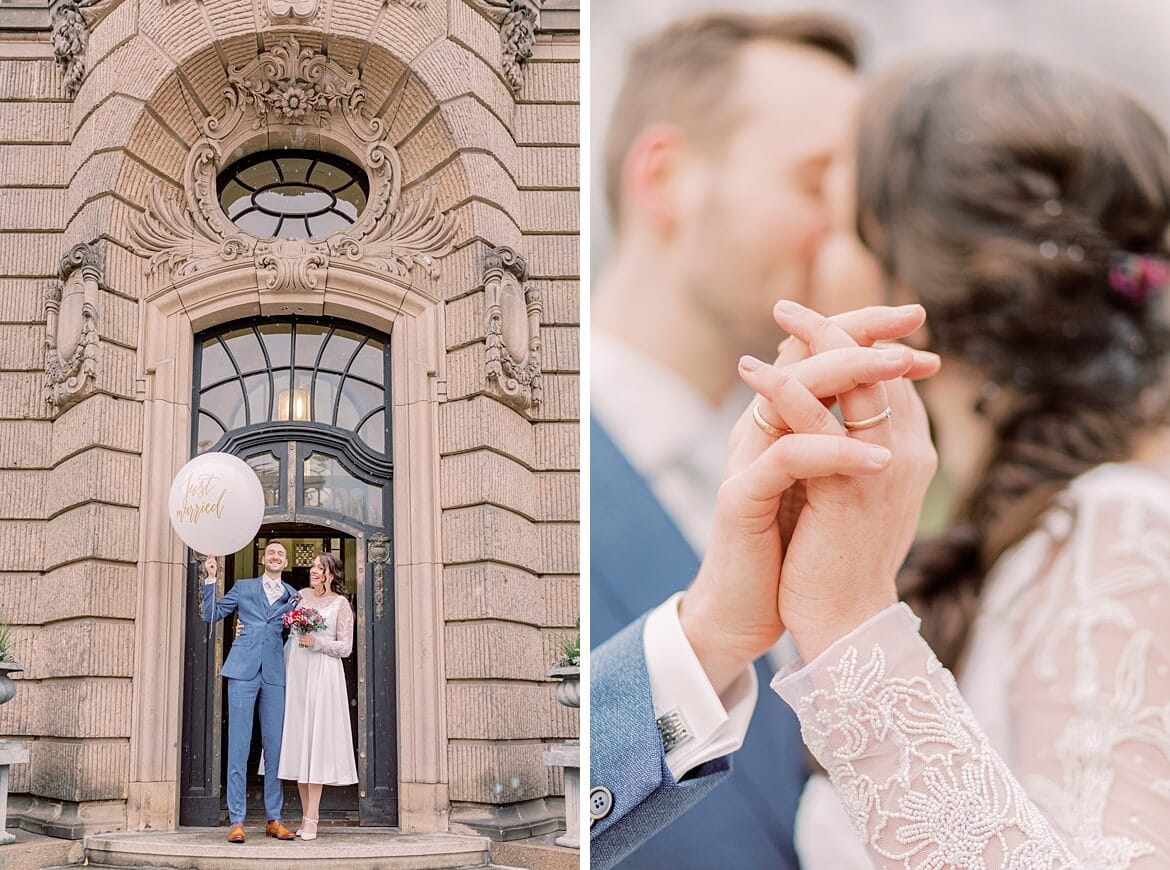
x=216, y=504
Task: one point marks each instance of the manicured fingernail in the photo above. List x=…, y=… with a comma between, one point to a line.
x=787, y=306
x=750, y=363
x=914, y=306
x=896, y=354
x=878, y=455
x=925, y=356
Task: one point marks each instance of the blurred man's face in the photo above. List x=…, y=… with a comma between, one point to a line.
x=757, y=213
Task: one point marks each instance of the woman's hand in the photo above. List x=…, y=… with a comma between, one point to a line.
x=730, y=612
x=307, y=640
x=852, y=535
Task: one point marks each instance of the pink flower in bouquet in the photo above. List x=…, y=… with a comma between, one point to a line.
x=304, y=620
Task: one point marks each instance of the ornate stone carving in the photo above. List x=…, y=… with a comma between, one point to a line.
x=378, y=552
x=291, y=86
x=71, y=327
x=299, y=11
x=518, y=25
x=70, y=36
x=413, y=4
x=513, y=328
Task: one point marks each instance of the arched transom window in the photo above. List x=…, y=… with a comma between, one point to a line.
x=273, y=373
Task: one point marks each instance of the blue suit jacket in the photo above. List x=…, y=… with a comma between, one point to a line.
x=258, y=649
x=638, y=559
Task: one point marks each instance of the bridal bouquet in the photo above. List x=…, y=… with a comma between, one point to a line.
x=304, y=620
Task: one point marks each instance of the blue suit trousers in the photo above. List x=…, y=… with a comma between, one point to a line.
x=243, y=696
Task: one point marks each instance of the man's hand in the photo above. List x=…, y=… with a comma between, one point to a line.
x=211, y=566
x=730, y=613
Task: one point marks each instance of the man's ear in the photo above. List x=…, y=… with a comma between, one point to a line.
x=651, y=176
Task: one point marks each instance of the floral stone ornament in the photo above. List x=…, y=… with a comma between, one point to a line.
x=292, y=87
x=71, y=328
x=513, y=329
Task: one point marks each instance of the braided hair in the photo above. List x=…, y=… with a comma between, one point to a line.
x=1000, y=190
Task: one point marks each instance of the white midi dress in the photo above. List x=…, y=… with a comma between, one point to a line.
x=317, y=745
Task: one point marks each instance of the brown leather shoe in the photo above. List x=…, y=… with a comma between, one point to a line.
x=278, y=830
x=236, y=834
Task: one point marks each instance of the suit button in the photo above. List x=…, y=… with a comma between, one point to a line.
x=600, y=803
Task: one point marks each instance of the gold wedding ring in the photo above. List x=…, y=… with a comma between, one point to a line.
x=766, y=427
x=868, y=422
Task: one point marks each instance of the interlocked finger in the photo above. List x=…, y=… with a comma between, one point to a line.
x=820, y=334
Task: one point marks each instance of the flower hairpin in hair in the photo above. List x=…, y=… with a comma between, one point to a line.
x=1137, y=277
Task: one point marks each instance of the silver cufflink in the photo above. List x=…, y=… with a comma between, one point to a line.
x=673, y=729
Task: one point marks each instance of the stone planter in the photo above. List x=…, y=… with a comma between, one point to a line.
x=10, y=753
x=7, y=687
x=569, y=687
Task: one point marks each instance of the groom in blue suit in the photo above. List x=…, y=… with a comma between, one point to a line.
x=255, y=674
x=717, y=159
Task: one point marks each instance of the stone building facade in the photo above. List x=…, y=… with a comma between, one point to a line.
x=126, y=266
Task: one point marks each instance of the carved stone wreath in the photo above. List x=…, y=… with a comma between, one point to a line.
x=291, y=86
x=513, y=329
x=71, y=328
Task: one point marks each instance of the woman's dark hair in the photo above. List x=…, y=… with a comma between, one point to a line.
x=1000, y=190
x=332, y=566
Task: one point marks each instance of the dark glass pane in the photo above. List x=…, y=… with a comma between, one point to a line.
x=215, y=365
x=351, y=201
x=278, y=342
x=329, y=486
x=370, y=363
x=294, y=199
x=235, y=199
x=209, y=434
x=260, y=175
x=357, y=400
x=267, y=468
x=309, y=338
x=260, y=225
x=340, y=348
x=373, y=432
x=293, y=228
x=227, y=403
x=330, y=177
x=245, y=350
x=259, y=399
x=325, y=393
x=295, y=168
x=324, y=225
x=283, y=396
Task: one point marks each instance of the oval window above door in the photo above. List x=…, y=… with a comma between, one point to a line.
x=290, y=194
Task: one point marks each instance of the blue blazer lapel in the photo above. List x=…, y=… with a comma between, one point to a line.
x=638, y=556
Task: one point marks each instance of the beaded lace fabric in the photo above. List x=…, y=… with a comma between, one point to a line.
x=1067, y=762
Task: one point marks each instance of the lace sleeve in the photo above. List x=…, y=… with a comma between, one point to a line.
x=1088, y=692
x=342, y=645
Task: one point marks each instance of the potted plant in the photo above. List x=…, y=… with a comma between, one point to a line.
x=567, y=669
x=7, y=665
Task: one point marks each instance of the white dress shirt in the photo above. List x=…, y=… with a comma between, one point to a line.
x=669, y=432
x=273, y=588
x=677, y=441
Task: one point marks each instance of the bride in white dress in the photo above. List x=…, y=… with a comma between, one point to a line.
x=1034, y=229
x=317, y=747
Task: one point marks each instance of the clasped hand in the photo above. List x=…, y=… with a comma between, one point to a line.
x=822, y=565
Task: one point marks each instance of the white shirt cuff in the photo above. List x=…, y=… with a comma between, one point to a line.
x=715, y=725
x=210, y=581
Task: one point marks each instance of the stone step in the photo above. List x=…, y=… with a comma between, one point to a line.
x=351, y=848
